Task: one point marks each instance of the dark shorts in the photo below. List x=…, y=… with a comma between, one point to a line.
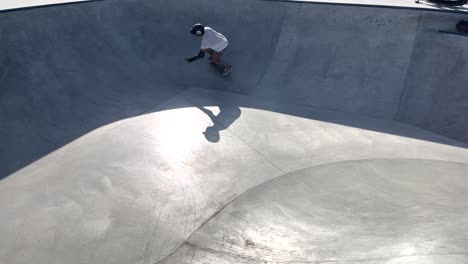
x=215, y=55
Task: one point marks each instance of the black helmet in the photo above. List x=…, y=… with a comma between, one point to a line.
x=197, y=29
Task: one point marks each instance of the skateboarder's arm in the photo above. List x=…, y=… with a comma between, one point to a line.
x=200, y=55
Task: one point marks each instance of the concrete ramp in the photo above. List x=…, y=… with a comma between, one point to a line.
x=340, y=135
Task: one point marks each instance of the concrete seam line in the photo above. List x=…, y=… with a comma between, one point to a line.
x=404, y=91
x=29, y=128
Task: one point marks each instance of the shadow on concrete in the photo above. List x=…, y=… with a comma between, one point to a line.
x=227, y=114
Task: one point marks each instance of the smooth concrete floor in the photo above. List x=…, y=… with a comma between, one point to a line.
x=115, y=152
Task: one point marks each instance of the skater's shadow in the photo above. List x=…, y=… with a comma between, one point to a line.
x=226, y=116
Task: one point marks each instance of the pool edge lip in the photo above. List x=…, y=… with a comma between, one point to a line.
x=52, y=4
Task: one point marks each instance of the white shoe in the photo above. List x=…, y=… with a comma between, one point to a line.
x=227, y=70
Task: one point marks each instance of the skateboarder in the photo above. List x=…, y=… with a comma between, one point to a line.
x=214, y=44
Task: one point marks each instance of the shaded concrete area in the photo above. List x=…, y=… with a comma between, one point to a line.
x=96, y=63
x=340, y=126
x=66, y=62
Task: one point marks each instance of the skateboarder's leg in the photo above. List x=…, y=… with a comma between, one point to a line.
x=210, y=52
x=216, y=59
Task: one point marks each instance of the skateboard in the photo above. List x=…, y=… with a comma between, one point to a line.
x=220, y=69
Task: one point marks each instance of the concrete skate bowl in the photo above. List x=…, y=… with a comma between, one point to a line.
x=340, y=135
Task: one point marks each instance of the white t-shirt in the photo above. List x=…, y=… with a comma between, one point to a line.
x=213, y=40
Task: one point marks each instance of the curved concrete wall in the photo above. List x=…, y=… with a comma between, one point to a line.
x=155, y=150
x=67, y=70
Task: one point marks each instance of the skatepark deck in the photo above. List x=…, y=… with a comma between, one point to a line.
x=339, y=138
